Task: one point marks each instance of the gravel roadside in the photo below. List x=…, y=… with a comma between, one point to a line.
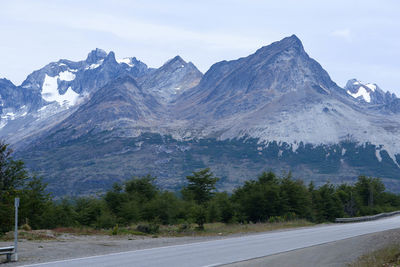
x=67, y=246
x=75, y=246
x=334, y=254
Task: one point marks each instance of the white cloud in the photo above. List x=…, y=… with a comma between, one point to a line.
x=204, y=32
x=343, y=33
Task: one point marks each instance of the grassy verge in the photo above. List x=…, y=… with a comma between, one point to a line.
x=210, y=229
x=53, y=234
x=215, y=229
x=387, y=256
x=36, y=235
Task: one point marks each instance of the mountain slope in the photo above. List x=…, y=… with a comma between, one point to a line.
x=247, y=84
x=280, y=94
x=120, y=103
x=276, y=109
x=171, y=79
x=55, y=91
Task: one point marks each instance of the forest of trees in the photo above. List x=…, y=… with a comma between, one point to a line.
x=269, y=198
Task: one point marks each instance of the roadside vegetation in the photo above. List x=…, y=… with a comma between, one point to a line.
x=387, y=256
x=137, y=206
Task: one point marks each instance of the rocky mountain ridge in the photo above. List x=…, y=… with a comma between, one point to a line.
x=275, y=109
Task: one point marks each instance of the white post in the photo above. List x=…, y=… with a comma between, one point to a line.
x=16, y=229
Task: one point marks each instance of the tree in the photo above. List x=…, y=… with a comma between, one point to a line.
x=198, y=213
x=60, y=213
x=141, y=188
x=220, y=208
x=258, y=200
x=200, y=190
x=13, y=177
x=348, y=197
x=327, y=203
x=369, y=190
x=115, y=198
x=164, y=209
x=200, y=187
x=295, y=198
x=34, y=202
x=12, y=172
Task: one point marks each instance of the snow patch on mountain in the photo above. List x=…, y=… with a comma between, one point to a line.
x=50, y=91
x=371, y=94
x=66, y=76
x=378, y=155
x=9, y=114
x=361, y=93
x=371, y=86
x=126, y=60
x=94, y=65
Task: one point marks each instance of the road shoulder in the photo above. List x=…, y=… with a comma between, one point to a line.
x=333, y=254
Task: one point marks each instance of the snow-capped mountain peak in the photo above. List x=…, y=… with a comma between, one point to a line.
x=369, y=93
x=275, y=107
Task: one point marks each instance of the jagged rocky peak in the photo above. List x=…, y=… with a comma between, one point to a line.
x=282, y=70
x=5, y=82
x=110, y=57
x=368, y=92
x=171, y=79
x=353, y=85
x=175, y=60
x=96, y=55
x=119, y=105
x=177, y=63
x=130, y=61
x=13, y=102
x=133, y=66
x=291, y=42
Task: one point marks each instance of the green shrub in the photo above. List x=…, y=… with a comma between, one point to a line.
x=115, y=230
x=26, y=227
x=289, y=216
x=276, y=219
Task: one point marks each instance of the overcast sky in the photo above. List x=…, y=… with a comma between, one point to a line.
x=350, y=39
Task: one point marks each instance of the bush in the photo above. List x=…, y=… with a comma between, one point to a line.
x=115, y=230
x=26, y=227
x=105, y=221
x=290, y=216
x=199, y=215
x=148, y=228
x=276, y=219
x=184, y=227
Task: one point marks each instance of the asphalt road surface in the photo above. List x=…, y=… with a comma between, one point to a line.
x=229, y=250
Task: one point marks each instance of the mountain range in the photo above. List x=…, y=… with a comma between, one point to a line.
x=85, y=125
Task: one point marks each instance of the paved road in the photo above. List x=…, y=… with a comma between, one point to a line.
x=218, y=252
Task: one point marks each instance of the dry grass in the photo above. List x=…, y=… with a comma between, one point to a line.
x=385, y=257
x=37, y=235
x=210, y=229
x=214, y=229
x=79, y=231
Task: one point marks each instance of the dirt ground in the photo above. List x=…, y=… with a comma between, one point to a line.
x=74, y=246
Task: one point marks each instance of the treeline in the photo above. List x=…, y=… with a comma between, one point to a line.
x=269, y=198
